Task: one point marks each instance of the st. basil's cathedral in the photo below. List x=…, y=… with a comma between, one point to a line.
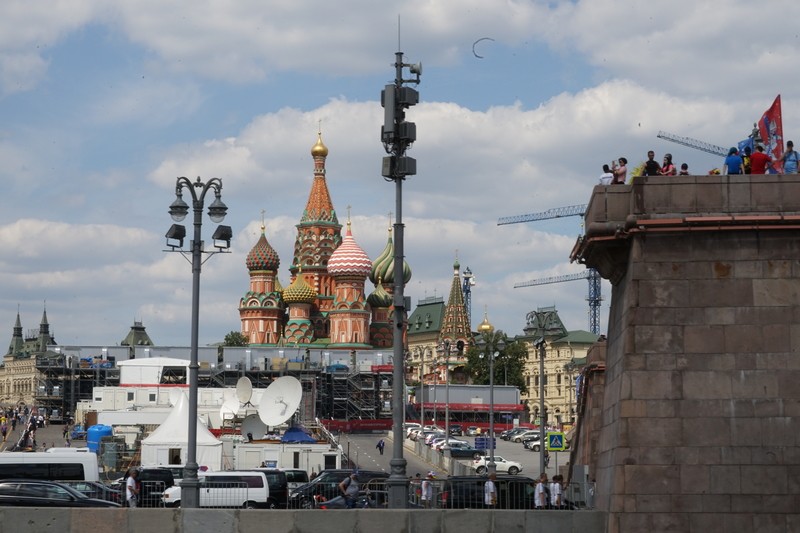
x=326, y=302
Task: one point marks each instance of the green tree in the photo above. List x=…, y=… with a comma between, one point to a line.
x=235, y=338
x=508, y=364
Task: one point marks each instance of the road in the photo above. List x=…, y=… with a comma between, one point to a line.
x=363, y=452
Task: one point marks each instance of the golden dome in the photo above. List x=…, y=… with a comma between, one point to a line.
x=485, y=327
x=319, y=149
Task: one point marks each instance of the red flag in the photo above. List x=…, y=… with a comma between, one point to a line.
x=770, y=127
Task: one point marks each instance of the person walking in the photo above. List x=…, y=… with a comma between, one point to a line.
x=540, y=494
x=381, y=444
x=132, y=488
x=490, y=492
x=349, y=487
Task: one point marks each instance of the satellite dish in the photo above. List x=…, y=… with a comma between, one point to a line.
x=244, y=390
x=229, y=409
x=280, y=400
x=253, y=426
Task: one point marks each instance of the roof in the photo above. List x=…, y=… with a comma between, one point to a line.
x=155, y=361
x=578, y=336
x=427, y=317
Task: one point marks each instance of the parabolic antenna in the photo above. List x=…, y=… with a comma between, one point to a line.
x=252, y=425
x=280, y=400
x=229, y=409
x=244, y=390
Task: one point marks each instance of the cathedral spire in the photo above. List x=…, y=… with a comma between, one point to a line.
x=455, y=325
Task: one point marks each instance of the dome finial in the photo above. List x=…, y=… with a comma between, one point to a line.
x=263, y=227
x=319, y=149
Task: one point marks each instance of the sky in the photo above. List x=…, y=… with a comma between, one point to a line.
x=104, y=104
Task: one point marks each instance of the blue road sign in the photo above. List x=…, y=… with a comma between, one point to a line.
x=485, y=443
x=555, y=441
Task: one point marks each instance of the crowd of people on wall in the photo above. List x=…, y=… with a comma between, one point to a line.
x=745, y=161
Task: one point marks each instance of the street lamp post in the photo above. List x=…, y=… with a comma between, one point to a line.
x=190, y=486
x=421, y=388
x=444, y=351
x=486, y=330
x=540, y=344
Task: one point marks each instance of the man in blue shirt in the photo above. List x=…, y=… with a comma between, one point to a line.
x=789, y=159
x=733, y=163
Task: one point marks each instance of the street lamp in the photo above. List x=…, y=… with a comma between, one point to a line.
x=486, y=330
x=444, y=352
x=190, y=486
x=540, y=345
x=421, y=353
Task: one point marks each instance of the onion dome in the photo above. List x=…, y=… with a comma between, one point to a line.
x=262, y=256
x=379, y=297
x=319, y=149
x=349, y=258
x=299, y=291
x=278, y=286
x=383, y=266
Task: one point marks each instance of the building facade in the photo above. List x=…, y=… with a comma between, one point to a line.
x=564, y=356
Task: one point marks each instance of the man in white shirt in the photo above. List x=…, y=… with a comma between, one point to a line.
x=607, y=176
x=132, y=488
x=555, y=492
x=540, y=496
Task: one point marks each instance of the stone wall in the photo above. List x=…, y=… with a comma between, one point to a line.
x=22, y=520
x=701, y=412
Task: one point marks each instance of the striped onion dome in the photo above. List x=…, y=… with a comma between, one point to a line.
x=349, y=258
x=299, y=291
x=262, y=256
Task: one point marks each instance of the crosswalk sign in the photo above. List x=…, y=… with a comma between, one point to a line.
x=555, y=441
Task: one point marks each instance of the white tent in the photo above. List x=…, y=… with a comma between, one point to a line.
x=171, y=438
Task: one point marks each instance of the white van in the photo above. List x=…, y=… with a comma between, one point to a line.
x=49, y=466
x=244, y=489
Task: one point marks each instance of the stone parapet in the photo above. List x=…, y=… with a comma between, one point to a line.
x=64, y=520
x=700, y=415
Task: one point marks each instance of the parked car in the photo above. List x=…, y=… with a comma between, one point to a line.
x=466, y=492
x=433, y=435
x=464, y=451
x=41, y=493
x=473, y=430
x=456, y=430
x=326, y=485
x=532, y=443
x=278, y=488
x=524, y=435
x=439, y=444
x=295, y=477
x=232, y=488
x=502, y=465
x=97, y=490
x=509, y=433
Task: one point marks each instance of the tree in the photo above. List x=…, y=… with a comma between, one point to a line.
x=235, y=338
x=508, y=365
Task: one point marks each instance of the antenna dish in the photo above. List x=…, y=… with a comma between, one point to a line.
x=244, y=390
x=252, y=425
x=280, y=401
x=229, y=409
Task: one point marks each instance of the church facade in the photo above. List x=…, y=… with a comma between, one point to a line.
x=326, y=302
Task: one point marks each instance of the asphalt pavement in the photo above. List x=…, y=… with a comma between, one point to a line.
x=47, y=437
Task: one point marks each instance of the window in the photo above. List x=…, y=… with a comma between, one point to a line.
x=130, y=396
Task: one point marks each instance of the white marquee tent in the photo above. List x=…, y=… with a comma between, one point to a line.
x=171, y=438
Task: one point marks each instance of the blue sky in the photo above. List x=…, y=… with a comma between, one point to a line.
x=102, y=107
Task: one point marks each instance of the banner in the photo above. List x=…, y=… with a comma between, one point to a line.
x=770, y=127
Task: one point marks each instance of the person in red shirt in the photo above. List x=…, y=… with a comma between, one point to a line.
x=759, y=161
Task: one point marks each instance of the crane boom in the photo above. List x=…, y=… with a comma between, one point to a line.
x=594, y=297
x=556, y=212
x=693, y=143
x=553, y=279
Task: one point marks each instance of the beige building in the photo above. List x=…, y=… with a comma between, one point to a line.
x=564, y=355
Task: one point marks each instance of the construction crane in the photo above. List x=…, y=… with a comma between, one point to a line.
x=556, y=212
x=693, y=143
x=466, y=289
x=594, y=296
